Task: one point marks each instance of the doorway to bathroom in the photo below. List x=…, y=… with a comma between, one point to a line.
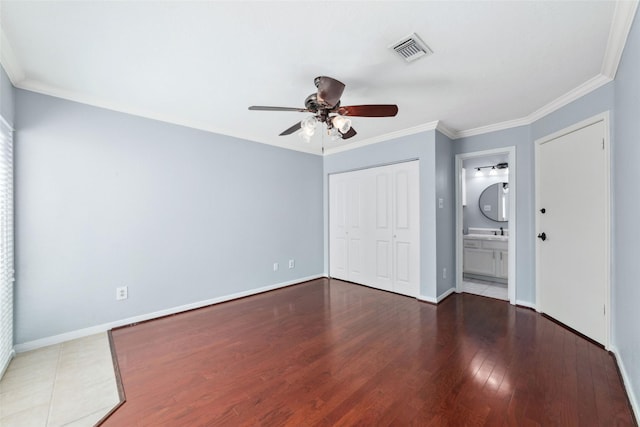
x=486, y=223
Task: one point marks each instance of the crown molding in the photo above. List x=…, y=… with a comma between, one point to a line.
x=385, y=137
x=9, y=61
x=576, y=93
x=37, y=87
x=492, y=128
x=620, y=26
x=622, y=21
x=447, y=131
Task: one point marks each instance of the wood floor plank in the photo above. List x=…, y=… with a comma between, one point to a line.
x=330, y=353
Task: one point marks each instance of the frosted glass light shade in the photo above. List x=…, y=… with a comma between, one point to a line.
x=341, y=123
x=308, y=125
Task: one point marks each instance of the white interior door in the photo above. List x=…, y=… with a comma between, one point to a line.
x=382, y=248
x=572, y=209
x=338, y=254
x=355, y=234
x=406, y=228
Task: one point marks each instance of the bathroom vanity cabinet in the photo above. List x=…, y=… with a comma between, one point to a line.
x=486, y=256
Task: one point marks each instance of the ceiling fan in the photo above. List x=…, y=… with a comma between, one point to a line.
x=325, y=105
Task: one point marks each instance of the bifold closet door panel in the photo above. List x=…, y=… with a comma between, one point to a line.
x=355, y=234
x=338, y=227
x=406, y=228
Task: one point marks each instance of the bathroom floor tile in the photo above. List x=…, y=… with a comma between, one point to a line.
x=73, y=382
x=71, y=404
x=486, y=289
x=31, y=417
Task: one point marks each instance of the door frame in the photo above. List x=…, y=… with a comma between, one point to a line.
x=605, y=118
x=513, y=192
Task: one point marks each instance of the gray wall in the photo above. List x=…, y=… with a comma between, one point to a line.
x=525, y=249
x=445, y=216
x=419, y=146
x=105, y=199
x=626, y=269
x=6, y=97
x=596, y=102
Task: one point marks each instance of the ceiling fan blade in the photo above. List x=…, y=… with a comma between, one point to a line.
x=264, y=108
x=375, y=110
x=329, y=90
x=292, y=129
x=348, y=134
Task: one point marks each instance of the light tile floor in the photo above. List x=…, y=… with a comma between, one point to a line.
x=69, y=384
x=486, y=289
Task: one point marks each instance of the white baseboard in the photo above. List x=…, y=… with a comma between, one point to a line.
x=445, y=294
x=80, y=333
x=427, y=299
x=437, y=299
x=526, y=304
x=626, y=382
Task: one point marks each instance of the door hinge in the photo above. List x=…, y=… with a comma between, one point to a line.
x=603, y=143
x=604, y=310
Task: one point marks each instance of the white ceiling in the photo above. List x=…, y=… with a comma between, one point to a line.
x=201, y=64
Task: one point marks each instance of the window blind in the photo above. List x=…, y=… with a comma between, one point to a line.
x=6, y=245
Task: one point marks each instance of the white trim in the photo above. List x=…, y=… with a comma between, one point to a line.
x=620, y=27
x=513, y=184
x=67, y=336
x=381, y=138
x=493, y=127
x=626, y=382
x=576, y=93
x=445, y=294
x=445, y=130
x=9, y=61
x=603, y=117
x=44, y=89
x=437, y=299
x=427, y=299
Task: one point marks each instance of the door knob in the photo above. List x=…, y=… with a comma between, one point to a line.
x=542, y=236
x=543, y=210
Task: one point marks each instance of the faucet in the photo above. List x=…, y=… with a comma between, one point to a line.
x=501, y=231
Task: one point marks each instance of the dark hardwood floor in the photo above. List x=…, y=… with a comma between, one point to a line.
x=331, y=353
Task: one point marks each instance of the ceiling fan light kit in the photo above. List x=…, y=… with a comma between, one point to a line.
x=325, y=105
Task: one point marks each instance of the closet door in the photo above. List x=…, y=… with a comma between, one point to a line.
x=355, y=234
x=382, y=244
x=346, y=222
x=406, y=228
x=374, y=227
x=338, y=254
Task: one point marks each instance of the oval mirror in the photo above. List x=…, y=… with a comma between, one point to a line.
x=494, y=202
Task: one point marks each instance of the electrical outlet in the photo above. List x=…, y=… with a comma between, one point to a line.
x=444, y=273
x=275, y=266
x=292, y=263
x=122, y=293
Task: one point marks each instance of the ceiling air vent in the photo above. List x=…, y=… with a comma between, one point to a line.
x=411, y=48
